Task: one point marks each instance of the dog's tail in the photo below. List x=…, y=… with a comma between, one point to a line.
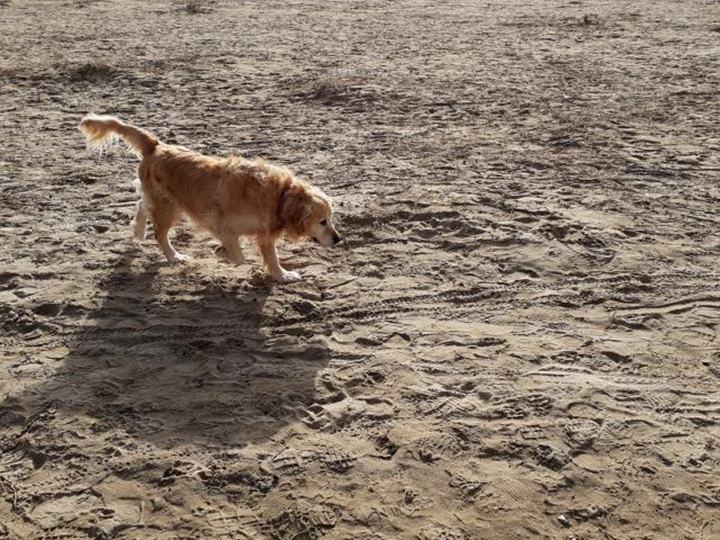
x=102, y=130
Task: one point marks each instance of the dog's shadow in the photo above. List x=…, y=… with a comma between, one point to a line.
x=175, y=366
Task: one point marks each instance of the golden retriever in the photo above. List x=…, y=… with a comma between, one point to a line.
x=229, y=197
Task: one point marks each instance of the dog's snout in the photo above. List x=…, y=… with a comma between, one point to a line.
x=336, y=238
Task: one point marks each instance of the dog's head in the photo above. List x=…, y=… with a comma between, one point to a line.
x=307, y=212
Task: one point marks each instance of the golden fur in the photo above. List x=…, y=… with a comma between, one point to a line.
x=229, y=197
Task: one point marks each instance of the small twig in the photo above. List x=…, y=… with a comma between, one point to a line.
x=347, y=184
x=341, y=283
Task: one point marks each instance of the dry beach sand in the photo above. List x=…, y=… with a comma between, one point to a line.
x=520, y=341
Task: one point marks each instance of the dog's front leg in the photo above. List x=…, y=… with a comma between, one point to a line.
x=270, y=256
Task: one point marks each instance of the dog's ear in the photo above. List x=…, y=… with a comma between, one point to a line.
x=296, y=207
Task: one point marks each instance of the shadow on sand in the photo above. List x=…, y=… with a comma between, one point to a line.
x=175, y=364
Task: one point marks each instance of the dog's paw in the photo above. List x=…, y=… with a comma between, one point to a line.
x=287, y=276
x=177, y=258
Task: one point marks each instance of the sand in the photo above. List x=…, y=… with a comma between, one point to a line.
x=520, y=340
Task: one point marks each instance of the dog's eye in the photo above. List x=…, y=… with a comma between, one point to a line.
x=323, y=222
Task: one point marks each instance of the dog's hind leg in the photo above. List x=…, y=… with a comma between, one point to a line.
x=140, y=222
x=164, y=216
x=143, y=212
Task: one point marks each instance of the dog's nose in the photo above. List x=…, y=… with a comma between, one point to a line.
x=336, y=239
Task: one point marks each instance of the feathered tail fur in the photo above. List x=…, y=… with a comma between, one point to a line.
x=102, y=130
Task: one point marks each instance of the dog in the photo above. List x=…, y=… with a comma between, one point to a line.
x=229, y=197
